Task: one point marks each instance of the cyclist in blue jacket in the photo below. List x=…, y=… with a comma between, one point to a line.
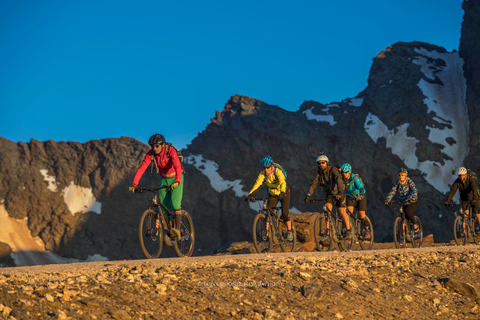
x=407, y=193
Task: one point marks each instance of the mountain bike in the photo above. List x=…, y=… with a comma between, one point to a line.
x=363, y=229
x=329, y=228
x=403, y=229
x=269, y=229
x=465, y=226
x=156, y=228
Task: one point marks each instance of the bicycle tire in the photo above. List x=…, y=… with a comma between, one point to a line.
x=366, y=243
x=321, y=232
x=459, y=231
x=184, y=246
x=261, y=236
x=286, y=245
x=399, y=233
x=151, y=245
x=345, y=242
x=417, y=237
x=475, y=230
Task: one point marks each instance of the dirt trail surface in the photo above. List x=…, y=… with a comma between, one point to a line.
x=440, y=282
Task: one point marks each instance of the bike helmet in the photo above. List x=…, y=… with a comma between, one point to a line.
x=462, y=171
x=403, y=170
x=266, y=162
x=156, y=139
x=322, y=157
x=346, y=167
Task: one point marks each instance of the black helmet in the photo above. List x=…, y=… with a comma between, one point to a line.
x=156, y=139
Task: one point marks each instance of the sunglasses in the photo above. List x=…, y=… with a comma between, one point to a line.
x=322, y=162
x=156, y=146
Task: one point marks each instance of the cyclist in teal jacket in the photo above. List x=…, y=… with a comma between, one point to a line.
x=355, y=190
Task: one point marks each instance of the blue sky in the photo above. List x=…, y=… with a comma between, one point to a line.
x=83, y=70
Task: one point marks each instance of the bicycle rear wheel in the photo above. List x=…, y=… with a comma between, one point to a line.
x=399, y=233
x=417, y=239
x=365, y=234
x=150, y=234
x=459, y=231
x=346, y=242
x=184, y=246
x=321, y=231
x=261, y=235
x=285, y=244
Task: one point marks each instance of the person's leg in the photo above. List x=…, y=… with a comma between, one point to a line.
x=342, y=209
x=286, y=211
x=409, y=213
x=176, y=203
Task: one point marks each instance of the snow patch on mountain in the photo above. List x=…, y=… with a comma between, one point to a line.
x=28, y=250
x=79, y=199
x=356, y=102
x=319, y=117
x=52, y=183
x=446, y=104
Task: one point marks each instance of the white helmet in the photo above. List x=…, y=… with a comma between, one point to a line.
x=322, y=157
x=462, y=170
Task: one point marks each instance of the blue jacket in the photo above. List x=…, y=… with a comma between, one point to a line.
x=355, y=186
x=407, y=192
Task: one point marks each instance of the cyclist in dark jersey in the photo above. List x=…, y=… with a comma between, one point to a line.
x=330, y=178
x=467, y=183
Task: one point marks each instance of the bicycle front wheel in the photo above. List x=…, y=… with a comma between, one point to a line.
x=150, y=234
x=285, y=244
x=321, y=231
x=365, y=234
x=399, y=233
x=261, y=234
x=346, y=241
x=417, y=239
x=184, y=246
x=475, y=230
x=460, y=231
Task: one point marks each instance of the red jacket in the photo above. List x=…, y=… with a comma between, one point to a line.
x=168, y=168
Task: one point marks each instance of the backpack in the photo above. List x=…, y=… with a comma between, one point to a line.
x=277, y=166
x=473, y=175
x=179, y=153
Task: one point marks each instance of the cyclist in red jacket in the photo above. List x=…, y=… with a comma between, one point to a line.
x=171, y=172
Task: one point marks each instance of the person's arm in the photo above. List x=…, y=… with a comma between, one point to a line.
x=453, y=190
x=474, y=184
x=313, y=184
x=281, y=180
x=144, y=165
x=339, y=181
x=359, y=186
x=176, y=164
x=258, y=183
x=392, y=193
x=413, y=191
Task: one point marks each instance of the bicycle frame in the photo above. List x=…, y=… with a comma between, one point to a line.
x=335, y=217
x=155, y=203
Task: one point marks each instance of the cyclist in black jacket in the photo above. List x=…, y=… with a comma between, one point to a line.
x=467, y=183
x=330, y=177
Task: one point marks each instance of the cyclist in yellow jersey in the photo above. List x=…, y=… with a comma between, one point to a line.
x=276, y=182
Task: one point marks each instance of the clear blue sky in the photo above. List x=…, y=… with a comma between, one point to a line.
x=83, y=70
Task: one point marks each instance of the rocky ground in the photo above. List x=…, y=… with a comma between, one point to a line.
x=439, y=282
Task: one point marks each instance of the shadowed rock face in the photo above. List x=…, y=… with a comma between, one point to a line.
x=420, y=110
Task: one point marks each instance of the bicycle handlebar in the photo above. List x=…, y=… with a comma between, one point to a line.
x=141, y=190
x=253, y=199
